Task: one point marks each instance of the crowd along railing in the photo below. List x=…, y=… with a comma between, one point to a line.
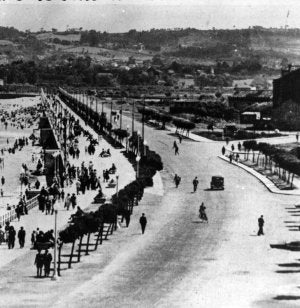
x=11, y=214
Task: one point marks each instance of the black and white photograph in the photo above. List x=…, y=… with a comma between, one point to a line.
x=149, y=153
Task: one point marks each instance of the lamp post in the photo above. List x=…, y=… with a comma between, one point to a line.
x=138, y=158
x=132, y=117
x=110, y=110
x=55, y=277
x=143, y=118
x=138, y=142
x=145, y=149
x=96, y=100
x=121, y=112
x=22, y=175
x=127, y=128
x=117, y=187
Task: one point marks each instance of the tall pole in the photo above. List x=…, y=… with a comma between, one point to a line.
x=54, y=277
x=138, y=142
x=121, y=115
x=111, y=112
x=127, y=139
x=132, y=117
x=143, y=119
x=117, y=185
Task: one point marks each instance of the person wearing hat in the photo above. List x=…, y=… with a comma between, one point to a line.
x=143, y=222
x=261, y=223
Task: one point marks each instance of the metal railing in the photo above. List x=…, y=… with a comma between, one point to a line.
x=11, y=214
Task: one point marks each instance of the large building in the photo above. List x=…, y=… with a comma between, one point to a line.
x=286, y=99
x=287, y=87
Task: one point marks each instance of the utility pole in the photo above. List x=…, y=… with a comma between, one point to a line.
x=143, y=119
x=54, y=277
x=111, y=112
x=132, y=126
x=121, y=112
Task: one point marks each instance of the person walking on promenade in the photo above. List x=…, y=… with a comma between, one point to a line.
x=73, y=201
x=33, y=239
x=39, y=262
x=261, y=223
x=223, y=150
x=47, y=263
x=11, y=237
x=143, y=222
x=2, y=180
x=297, y=137
x=232, y=147
x=127, y=218
x=21, y=237
x=239, y=147
x=230, y=158
x=67, y=202
x=195, y=183
x=37, y=184
x=177, y=180
x=175, y=147
x=180, y=138
x=48, y=206
x=78, y=185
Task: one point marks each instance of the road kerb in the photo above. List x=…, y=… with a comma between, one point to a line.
x=268, y=183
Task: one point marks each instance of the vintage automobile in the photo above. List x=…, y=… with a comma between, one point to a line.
x=217, y=182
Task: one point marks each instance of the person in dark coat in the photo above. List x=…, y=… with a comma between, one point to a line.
x=11, y=237
x=37, y=184
x=143, y=222
x=39, y=263
x=127, y=218
x=261, y=223
x=73, y=201
x=239, y=147
x=21, y=237
x=47, y=263
x=195, y=183
x=177, y=180
x=223, y=150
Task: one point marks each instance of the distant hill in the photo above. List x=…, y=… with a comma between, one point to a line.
x=63, y=37
x=10, y=33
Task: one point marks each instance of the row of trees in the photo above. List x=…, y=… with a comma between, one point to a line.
x=152, y=114
x=208, y=109
x=163, y=118
x=287, y=164
x=103, y=222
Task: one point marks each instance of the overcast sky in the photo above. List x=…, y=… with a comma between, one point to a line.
x=123, y=15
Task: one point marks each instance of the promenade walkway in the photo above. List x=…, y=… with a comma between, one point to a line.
x=36, y=219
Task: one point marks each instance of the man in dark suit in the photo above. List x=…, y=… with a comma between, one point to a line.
x=21, y=237
x=261, y=223
x=143, y=222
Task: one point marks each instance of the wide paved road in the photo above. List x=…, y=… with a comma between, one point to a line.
x=181, y=262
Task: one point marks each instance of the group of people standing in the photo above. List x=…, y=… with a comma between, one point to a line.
x=9, y=236
x=43, y=261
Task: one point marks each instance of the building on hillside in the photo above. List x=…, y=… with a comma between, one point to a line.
x=286, y=99
x=249, y=117
x=243, y=99
x=287, y=87
x=186, y=82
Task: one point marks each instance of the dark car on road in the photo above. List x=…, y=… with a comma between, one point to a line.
x=217, y=182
